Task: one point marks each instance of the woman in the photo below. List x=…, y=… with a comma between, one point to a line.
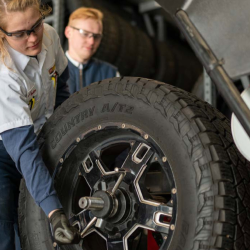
x=31, y=59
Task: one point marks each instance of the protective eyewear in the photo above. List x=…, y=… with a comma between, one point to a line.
x=23, y=34
x=87, y=34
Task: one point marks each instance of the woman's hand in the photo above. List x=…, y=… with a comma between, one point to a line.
x=63, y=233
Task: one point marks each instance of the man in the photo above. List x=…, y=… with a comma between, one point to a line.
x=84, y=34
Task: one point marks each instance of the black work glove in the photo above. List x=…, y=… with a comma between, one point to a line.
x=63, y=233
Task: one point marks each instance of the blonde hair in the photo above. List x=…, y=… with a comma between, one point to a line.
x=85, y=13
x=7, y=6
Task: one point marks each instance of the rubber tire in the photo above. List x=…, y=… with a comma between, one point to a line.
x=126, y=60
x=110, y=44
x=188, y=66
x=145, y=56
x=166, y=70
x=210, y=174
x=75, y=4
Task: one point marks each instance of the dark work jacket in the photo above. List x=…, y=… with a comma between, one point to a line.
x=95, y=70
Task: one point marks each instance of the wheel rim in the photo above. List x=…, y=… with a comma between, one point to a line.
x=146, y=199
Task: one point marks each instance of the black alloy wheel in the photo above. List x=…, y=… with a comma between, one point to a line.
x=145, y=199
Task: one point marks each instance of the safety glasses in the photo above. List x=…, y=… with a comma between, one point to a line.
x=87, y=34
x=24, y=34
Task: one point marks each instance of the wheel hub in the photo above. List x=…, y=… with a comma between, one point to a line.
x=114, y=208
x=101, y=204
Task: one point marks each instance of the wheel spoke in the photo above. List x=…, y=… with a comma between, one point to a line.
x=157, y=218
x=92, y=169
x=79, y=220
x=115, y=245
x=138, y=157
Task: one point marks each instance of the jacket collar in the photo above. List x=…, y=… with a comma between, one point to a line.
x=75, y=63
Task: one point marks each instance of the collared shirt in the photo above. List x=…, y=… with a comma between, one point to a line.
x=28, y=89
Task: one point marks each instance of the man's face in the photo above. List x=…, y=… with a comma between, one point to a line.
x=82, y=47
x=18, y=21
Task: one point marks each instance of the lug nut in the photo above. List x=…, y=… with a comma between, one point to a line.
x=174, y=191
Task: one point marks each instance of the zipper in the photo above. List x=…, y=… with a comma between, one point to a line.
x=80, y=74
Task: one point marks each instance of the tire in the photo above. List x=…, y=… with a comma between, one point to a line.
x=125, y=60
x=166, y=70
x=110, y=44
x=188, y=66
x=28, y=213
x=176, y=64
x=75, y=4
x=145, y=57
x=181, y=158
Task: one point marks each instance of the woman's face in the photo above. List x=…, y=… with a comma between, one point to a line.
x=19, y=21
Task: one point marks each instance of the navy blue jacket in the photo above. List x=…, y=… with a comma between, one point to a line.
x=21, y=144
x=95, y=70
